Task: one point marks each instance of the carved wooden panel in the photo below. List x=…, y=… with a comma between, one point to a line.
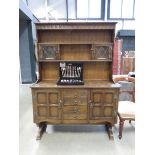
x=102, y=104
x=41, y=98
x=76, y=26
x=41, y=111
x=54, y=103
x=47, y=103
x=53, y=97
x=54, y=112
x=108, y=111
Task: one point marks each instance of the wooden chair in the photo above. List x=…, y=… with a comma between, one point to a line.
x=126, y=109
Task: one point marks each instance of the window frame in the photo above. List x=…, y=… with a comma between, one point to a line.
x=76, y=18
x=120, y=18
x=102, y=12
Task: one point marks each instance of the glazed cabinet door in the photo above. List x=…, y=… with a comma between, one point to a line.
x=47, y=104
x=102, y=104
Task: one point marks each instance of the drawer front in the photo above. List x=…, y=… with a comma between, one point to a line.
x=75, y=109
x=75, y=93
x=75, y=116
x=75, y=97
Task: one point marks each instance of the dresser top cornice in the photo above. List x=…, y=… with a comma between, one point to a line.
x=76, y=25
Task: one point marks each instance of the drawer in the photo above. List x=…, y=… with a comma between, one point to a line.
x=75, y=93
x=75, y=97
x=75, y=109
x=75, y=116
x=73, y=101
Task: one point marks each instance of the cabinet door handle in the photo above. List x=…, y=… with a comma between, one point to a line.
x=59, y=105
x=90, y=103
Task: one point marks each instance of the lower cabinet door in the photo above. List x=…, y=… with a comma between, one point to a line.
x=101, y=105
x=47, y=104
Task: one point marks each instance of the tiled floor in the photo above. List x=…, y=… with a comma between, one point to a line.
x=70, y=140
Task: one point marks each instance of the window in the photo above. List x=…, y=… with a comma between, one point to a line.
x=38, y=8
x=67, y=9
x=71, y=9
x=115, y=8
x=57, y=9
x=127, y=9
x=88, y=9
x=121, y=9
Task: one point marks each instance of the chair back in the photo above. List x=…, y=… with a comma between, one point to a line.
x=120, y=79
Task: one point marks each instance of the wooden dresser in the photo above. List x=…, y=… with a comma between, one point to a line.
x=95, y=102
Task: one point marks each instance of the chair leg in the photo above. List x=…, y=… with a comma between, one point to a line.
x=129, y=121
x=121, y=124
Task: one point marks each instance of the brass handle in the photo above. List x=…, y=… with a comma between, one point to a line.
x=59, y=106
x=75, y=102
x=76, y=116
x=75, y=96
x=90, y=103
x=75, y=110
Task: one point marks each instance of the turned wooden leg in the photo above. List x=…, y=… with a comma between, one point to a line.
x=121, y=124
x=42, y=129
x=109, y=131
x=129, y=121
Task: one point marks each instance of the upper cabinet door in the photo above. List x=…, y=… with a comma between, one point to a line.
x=48, y=51
x=102, y=51
x=102, y=104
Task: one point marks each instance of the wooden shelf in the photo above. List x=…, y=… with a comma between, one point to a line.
x=77, y=42
x=75, y=60
x=87, y=84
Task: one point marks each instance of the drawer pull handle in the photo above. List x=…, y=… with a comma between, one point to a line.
x=75, y=110
x=75, y=102
x=76, y=116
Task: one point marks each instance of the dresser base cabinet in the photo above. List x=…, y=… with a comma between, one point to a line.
x=74, y=106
